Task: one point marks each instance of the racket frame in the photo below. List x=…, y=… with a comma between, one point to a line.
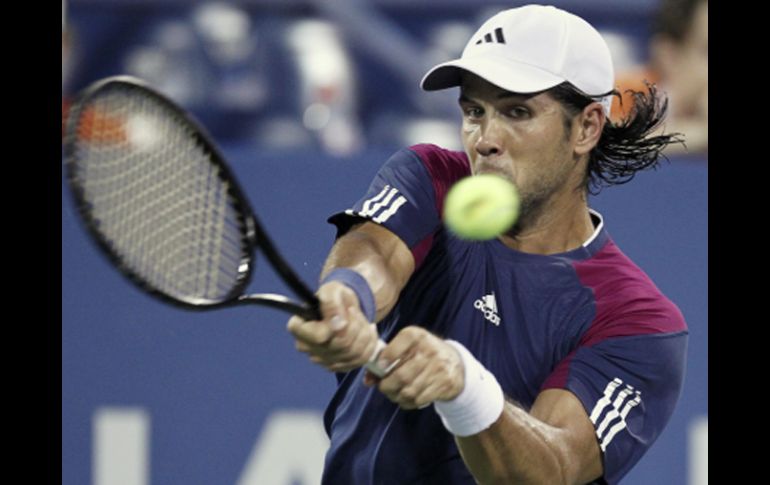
x=254, y=236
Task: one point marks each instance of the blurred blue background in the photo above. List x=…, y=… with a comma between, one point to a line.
x=307, y=99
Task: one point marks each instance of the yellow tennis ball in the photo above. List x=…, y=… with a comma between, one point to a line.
x=481, y=207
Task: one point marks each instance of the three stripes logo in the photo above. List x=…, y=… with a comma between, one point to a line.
x=498, y=37
x=382, y=206
x=612, y=408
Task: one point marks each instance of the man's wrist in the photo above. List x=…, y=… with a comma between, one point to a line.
x=479, y=404
x=356, y=282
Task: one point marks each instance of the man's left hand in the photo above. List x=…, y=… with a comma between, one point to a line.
x=426, y=369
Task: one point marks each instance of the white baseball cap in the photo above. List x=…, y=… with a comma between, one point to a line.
x=530, y=49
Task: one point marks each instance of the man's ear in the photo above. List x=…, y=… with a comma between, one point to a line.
x=590, y=124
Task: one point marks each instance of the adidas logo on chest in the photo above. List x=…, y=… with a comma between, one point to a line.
x=488, y=306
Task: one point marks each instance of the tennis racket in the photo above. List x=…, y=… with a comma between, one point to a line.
x=159, y=200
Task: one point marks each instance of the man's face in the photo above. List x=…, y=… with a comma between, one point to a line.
x=522, y=138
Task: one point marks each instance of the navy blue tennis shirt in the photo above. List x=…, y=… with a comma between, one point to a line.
x=588, y=320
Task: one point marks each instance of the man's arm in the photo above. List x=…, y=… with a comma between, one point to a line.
x=345, y=339
x=554, y=443
x=380, y=256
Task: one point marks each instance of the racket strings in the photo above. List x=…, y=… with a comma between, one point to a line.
x=157, y=199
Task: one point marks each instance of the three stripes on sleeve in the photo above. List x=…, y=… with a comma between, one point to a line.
x=382, y=206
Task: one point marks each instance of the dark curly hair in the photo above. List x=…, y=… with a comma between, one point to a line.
x=626, y=146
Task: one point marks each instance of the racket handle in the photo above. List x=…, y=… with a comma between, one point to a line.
x=372, y=366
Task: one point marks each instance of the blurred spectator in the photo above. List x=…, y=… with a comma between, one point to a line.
x=66, y=43
x=67, y=62
x=678, y=65
x=172, y=61
x=328, y=93
x=231, y=44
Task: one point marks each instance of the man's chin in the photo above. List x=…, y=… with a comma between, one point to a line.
x=492, y=170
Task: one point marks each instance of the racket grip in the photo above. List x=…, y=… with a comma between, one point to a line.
x=372, y=365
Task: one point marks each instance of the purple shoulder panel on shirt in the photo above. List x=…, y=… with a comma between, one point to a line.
x=627, y=304
x=445, y=167
x=627, y=301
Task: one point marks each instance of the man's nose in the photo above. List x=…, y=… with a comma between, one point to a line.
x=490, y=142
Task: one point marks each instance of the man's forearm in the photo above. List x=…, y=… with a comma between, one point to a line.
x=522, y=447
x=516, y=449
x=380, y=257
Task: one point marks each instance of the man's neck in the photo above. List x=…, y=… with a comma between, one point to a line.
x=563, y=224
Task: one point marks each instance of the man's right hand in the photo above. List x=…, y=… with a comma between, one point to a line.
x=344, y=340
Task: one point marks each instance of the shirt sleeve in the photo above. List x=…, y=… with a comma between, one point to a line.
x=406, y=196
x=629, y=387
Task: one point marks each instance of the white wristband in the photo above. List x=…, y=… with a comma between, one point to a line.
x=478, y=405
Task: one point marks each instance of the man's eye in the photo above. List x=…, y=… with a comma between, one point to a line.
x=473, y=112
x=518, y=112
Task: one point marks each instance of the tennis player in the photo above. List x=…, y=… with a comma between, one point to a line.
x=543, y=356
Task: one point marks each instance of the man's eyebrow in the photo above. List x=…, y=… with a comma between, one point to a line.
x=522, y=96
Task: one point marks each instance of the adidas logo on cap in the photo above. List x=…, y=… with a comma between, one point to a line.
x=499, y=38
